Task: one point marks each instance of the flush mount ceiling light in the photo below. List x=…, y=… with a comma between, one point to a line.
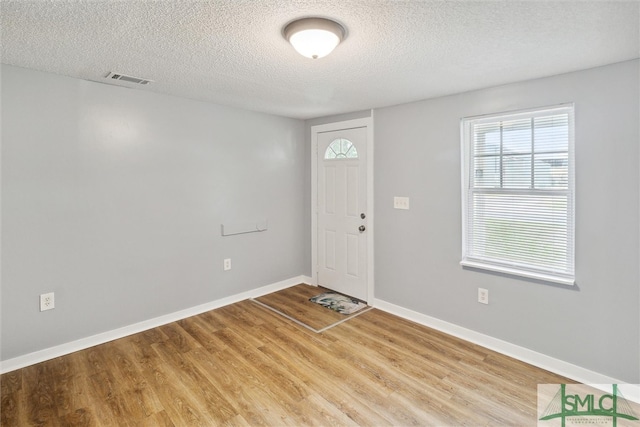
x=314, y=37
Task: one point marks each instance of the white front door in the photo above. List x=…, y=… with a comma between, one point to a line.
x=342, y=211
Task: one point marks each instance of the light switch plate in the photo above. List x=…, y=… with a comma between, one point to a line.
x=401, y=203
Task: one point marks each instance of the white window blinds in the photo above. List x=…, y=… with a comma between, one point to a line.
x=518, y=193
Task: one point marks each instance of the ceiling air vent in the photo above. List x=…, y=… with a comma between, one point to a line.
x=130, y=79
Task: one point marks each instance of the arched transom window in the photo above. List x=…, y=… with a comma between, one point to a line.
x=341, y=149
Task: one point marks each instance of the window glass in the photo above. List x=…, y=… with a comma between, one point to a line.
x=341, y=149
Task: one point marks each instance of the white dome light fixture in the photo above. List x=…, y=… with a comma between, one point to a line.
x=314, y=37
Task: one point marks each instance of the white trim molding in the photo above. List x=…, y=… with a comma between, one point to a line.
x=519, y=272
x=84, y=343
x=534, y=358
x=523, y=354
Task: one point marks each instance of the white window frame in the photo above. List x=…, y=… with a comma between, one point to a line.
x=503, y=266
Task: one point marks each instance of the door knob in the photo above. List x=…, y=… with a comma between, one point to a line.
x=362, y=215
x=362, y=228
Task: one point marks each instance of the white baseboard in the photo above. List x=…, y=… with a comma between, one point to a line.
x=560, y=367
x=83, y=343
x=557, y=366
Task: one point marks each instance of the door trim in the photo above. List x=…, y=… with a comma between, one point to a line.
x=367, y=123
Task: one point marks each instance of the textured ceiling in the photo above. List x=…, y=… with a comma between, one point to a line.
x=232, y=52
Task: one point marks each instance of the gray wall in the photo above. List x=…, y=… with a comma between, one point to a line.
x=113, y=198
x=595, y=324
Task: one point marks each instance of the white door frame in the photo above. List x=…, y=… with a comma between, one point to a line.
x=366, y=122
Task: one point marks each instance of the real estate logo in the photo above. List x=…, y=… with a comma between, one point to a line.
x=580, y=404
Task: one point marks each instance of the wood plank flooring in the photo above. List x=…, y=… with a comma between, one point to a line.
x=245, y=365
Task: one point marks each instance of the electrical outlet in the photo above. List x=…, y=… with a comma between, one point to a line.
x=47, y=302
x=401, y=203
x=227, y=264
x=483, y=296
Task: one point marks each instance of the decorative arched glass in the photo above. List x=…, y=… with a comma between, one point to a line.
x=341, y=149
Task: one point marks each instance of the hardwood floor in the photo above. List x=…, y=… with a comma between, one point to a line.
x=245, y=365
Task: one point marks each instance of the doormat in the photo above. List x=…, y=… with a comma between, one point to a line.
x=294, y=303
x=338, y=302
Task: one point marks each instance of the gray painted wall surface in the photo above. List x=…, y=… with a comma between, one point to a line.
x=113, y=199
x=595, y=324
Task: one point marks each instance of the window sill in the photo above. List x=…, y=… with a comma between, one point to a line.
x=538, y=276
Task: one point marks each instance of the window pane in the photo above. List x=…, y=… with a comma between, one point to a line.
x=516, y=171
x=551, y=170
x=528, y=229
x=346, y=144
x=341, y=149
x=551, y=133
x=487, y=139
x=516, y=136
x=486, y=172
